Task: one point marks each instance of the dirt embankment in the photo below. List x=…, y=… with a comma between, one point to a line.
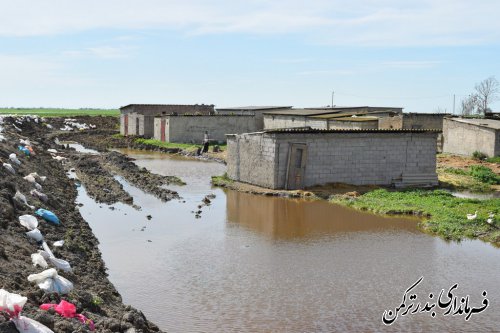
x=93, y=294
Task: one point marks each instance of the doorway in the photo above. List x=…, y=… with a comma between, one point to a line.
x=295, y=174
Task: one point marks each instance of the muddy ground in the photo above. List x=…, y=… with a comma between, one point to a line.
x=93, y=293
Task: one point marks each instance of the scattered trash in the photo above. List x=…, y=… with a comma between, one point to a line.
x=12, y=304
x=58, y=263
x=9, y=168
x=31, y=179
x=25, y=150
x=28, y=221
x=37, y=194
x=38, y=177
x=35, y=234
x=68, y=310
x=149, y=217
x=52, y=150
x=14, y=159
x=50, y=281
x=58, y=243
x=21, y=198
x=39, y=260
x=48, y=216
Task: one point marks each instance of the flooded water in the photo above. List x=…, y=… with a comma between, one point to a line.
x=261, y=264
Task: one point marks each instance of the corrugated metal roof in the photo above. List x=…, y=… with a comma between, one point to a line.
x=299, y=130
x=166, y=105
x=490, y=123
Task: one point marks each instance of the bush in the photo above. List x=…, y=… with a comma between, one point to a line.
x=495, y=159
x=484, y=174
x=479, y=155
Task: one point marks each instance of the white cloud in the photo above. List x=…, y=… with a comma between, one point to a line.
x=362, y=22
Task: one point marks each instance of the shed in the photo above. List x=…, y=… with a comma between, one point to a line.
x=138, y=119
x=304, y=157
x=464, y=136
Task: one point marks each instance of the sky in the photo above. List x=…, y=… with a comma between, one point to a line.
x=110, y=53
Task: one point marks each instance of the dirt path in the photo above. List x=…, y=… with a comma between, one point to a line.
x=93, y=293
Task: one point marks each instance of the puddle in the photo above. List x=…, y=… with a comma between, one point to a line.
x=261, y=264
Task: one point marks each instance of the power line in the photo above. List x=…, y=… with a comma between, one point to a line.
x=396, y=97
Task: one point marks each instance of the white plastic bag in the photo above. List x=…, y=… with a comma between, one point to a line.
x=52, y=150
x=42, y=196
x=35, y=234
x=21, y=198
x=30, y=178
x=38, y=260
x=28, y=221
x=58, y=243
x=9, y=168
x=14, y=159
x=50, y=281
x=27, y=325
x=56, y=262
x=11, y=303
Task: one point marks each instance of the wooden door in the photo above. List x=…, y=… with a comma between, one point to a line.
x=297, y=157
x=162, y=130
x=125, y=124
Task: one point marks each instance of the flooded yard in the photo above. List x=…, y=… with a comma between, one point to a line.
x=266, y=264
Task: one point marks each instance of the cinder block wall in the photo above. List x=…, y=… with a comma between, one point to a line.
x=251, y=158
x=293, y=121
x=395, y=122
x=423, y=120
x=191, y=129
x=464, y=139
x=360, y=158
x=336, y=124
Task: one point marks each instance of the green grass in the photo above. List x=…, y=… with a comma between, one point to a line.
x=484, y=174
x=223, y=180
x=53, y=112
x=161, y=144
x=447, y=215
x=495, y=159
x=476, y=178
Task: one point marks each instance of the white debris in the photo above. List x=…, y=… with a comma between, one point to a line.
x=30, y=222
x=52, y=150
x=58, y=243
x=50, y=281
x=14, y=159
x=9, y=168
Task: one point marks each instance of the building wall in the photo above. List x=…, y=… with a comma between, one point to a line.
x=293, y=121
x=251, y=159
x=337, y=124
x=464, y=139
x=394, y=122
x=352, y=158
x=191, y=129
x=423, y=120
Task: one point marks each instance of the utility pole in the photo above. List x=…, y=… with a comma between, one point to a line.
x=333, y=93
x=453, y=103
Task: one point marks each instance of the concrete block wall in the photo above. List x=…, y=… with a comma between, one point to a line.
x=360, y=158
x=395, y=122
x=424, y=120
x=337, y=124
x=191, y=129
x=251, y=159
x=283, y=121
x=464, y=139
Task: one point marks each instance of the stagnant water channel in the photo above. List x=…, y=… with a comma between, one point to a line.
x=261, y=264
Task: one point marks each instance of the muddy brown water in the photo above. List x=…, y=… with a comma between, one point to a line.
x=261, y=264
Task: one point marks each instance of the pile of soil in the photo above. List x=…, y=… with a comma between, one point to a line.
x=93, y=294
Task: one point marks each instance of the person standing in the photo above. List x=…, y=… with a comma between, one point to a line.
x=206, y=140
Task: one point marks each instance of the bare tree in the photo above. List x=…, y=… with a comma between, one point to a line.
x=487, y=91
x=469, y=104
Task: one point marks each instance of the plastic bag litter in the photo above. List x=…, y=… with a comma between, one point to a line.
x=68, y=310
x=21, y=198
x=59, y=158
x=35, y=234
x=27, y=325
x=30, y=178
x=39, y=260
x=58, y=263
x=28, y=221
x=58, y=243
x=42, y=196
x=25, y=150
x=48, y=216
x=25, y=142
x=9, y=168
x=38, y=177
x=14, y=159
x=50, y=281
x=49, y=126
x=10, y=303
x=52, y=150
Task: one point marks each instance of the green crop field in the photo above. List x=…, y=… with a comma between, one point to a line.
x=50, y=112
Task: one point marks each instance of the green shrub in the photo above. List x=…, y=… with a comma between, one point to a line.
x=495, y=159
x=479, y=155
x=456, y=171
x=484, y=174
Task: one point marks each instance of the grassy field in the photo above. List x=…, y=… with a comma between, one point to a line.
x=445, y=214
x=49, y=112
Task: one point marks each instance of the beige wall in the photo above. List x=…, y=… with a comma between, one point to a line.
x=191, y=129
x=464, y=139
x=336, y=124
x=291, y=121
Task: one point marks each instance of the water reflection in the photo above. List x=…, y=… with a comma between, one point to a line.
x=281, y=218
